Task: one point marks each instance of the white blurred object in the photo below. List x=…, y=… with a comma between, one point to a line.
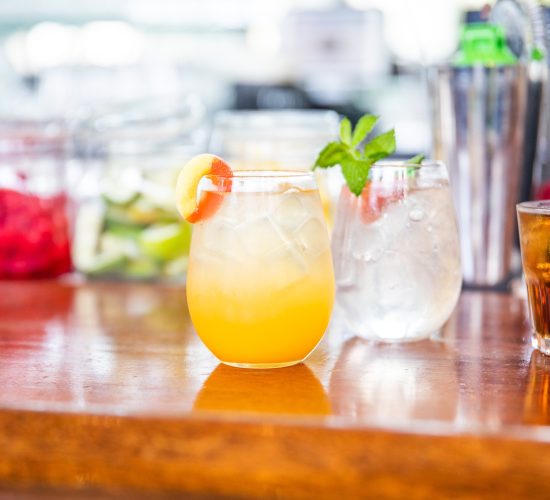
x=289, y=139
x=264, y=38
x=423, y=31
x=49, y=45
x=111, y=43
x=402, y=103
x=335, y=50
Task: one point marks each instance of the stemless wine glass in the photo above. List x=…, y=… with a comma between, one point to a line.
x=260, y=286
x=397, y=254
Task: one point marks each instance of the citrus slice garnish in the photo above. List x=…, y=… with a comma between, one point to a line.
x=191, y=209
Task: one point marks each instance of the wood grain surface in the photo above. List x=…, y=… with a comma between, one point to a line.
x=107, y=392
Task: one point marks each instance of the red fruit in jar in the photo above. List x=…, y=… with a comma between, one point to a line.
x=34, y=236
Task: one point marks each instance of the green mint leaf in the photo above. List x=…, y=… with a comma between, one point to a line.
x=355, y=173
x=332, y=154
x=381, y=146
x=345, y=131
x=363, y=128
x=415, y=160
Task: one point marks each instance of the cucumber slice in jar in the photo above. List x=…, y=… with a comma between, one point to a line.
x=114, y=243
x=142, y=211
x=119, y=196
x=160, y=196
x=121, y=185
x=141, y=269
x=105, y=263
x=88, y=225
x=176, y=268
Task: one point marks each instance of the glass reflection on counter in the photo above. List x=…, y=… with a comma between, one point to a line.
x=102, y=346
x=33, y=336
x=392, y=382
x=495, y=356
x=294, y=390
x=536, y=409
x=122, y=370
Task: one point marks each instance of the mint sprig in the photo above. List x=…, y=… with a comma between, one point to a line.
x=415, y=160
x=355, y=163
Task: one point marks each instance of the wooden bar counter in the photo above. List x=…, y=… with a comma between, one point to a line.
x=107, y=392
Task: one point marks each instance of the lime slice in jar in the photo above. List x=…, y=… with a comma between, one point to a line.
x=119, y=196
x=121, y=184
x=165, y=241
x=105, y=262
x=141, y=268
x=176, y=268
x=114, y=243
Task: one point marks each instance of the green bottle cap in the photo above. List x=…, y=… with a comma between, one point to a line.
x=537, y=54
x=483, y=43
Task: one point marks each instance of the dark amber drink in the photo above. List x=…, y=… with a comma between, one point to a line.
x=534, y=232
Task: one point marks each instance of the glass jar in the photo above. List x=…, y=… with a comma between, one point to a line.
x=34, y=204
x=279, y=140
x=127, y=225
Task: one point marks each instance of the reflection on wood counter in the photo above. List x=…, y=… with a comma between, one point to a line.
x=105, y=387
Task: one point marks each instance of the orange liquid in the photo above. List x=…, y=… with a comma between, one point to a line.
x=535, y=250
x=259, y=304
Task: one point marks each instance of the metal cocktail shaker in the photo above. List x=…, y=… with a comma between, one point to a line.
x=479, y=123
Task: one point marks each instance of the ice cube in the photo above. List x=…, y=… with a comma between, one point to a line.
x=287, y=266
x=369, y=241
x=231, y=211
x=274, y=255
x=416, y=214
x=260, y=237
x=218, y=240
x=290, y=214
x=312, y=238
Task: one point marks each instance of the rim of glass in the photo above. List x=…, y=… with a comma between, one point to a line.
x=262, y=174
x=534, y=207
x=259, y=181
x=403, y=164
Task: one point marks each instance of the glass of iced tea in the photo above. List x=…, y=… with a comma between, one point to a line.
x=534, y=233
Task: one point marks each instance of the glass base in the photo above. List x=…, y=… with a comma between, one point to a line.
x=262, y=366
x=401, y=340
x=541, y=343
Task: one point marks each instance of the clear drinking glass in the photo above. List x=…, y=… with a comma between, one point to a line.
x=260, y=284
x=534, y=236
x=397, y=254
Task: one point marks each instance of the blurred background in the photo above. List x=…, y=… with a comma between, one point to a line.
x=103, y=102
x=58, y=57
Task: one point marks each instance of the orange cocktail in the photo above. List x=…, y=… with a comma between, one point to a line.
x=260, y=286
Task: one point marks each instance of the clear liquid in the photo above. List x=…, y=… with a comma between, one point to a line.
x=398, y=277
